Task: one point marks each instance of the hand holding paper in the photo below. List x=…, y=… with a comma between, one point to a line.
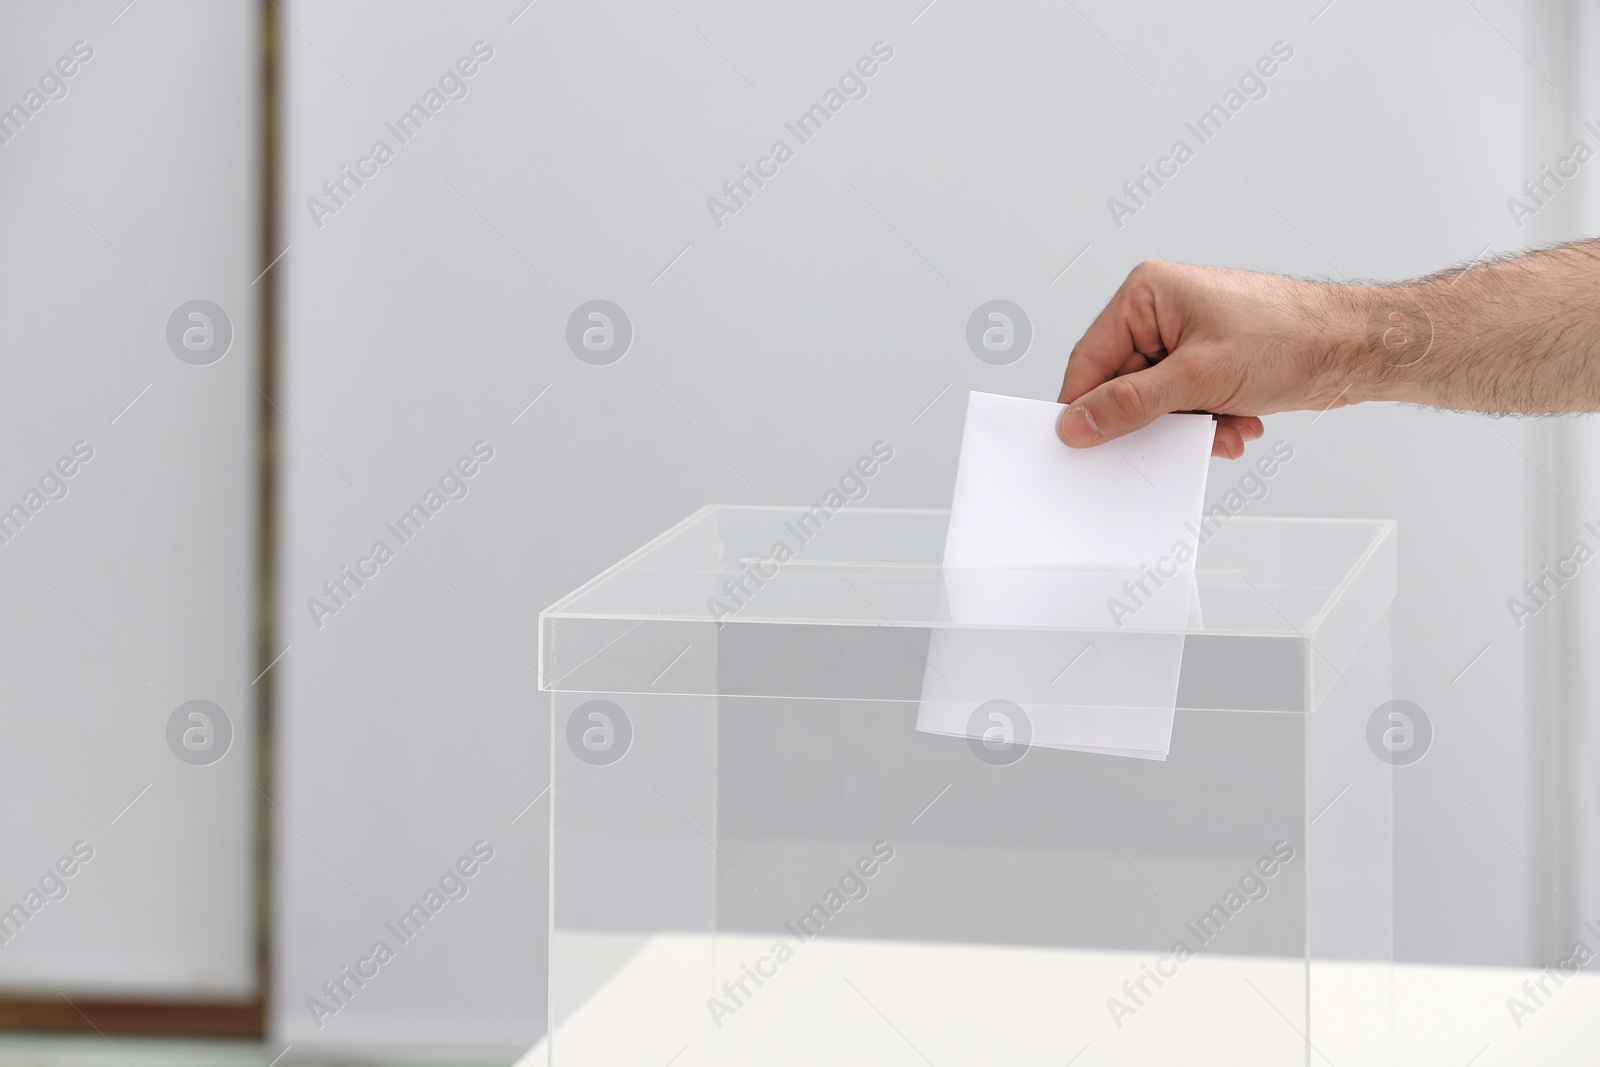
x=1023, y=499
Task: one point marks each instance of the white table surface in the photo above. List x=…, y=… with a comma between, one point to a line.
x=844, y=1002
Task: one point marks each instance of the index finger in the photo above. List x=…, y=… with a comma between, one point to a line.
x=1123, y=338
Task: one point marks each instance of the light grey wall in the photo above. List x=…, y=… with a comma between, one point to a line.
x=1391, y=183
x=1578, y=813
x=769, y=352
x=130, y=195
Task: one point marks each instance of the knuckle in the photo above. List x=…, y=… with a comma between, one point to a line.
x=1129, y=399
x=1149, y=271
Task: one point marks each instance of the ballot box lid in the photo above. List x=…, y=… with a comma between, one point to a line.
x=812, y=601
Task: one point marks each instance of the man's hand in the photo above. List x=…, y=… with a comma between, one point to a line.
x=1231, y=343
x=1519, y=335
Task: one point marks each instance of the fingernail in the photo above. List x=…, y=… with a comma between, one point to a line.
x=1076, y=429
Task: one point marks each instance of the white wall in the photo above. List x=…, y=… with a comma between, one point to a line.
x=1391, y=180
x=130, y=195
x=430, y=310
x=1580, y=760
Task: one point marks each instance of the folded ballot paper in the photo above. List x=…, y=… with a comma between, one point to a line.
x=1068, y=582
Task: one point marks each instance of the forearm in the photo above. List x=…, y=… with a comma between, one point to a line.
x=1516, y=336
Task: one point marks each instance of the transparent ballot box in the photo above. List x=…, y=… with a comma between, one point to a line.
x=817, y=800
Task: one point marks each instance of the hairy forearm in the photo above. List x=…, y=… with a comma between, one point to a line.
x=1521, y=335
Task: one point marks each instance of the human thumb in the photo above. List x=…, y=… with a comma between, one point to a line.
x=1120, y=406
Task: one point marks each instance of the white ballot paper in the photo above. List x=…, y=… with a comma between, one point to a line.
x=1068, y=583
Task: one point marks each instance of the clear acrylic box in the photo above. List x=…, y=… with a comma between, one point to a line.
x=834, y=805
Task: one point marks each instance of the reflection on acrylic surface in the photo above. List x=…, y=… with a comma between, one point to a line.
x=1039, y=658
